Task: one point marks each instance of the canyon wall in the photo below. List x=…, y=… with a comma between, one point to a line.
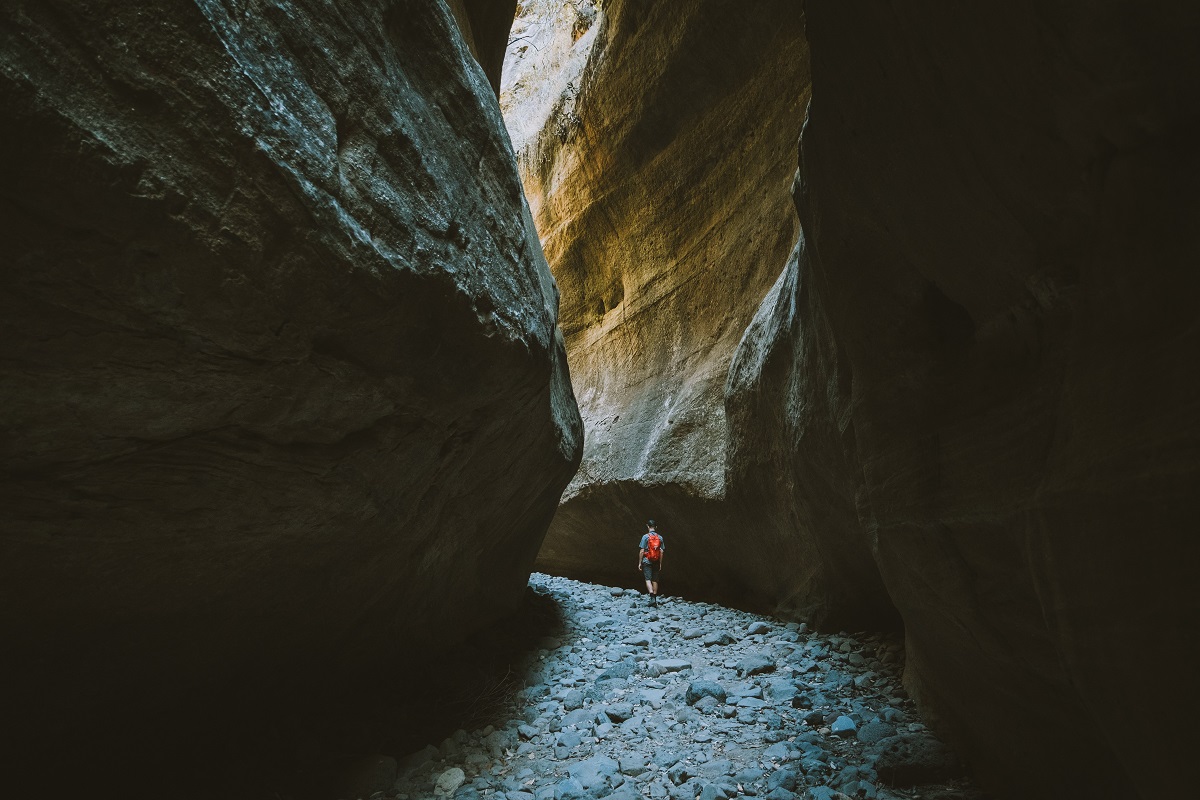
x=283, y=390
x=969, y=400
x=980, y=364
x=658, y=177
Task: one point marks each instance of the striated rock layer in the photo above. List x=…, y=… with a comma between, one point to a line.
x=980, y=366
x=283, y=390
x=658, y=183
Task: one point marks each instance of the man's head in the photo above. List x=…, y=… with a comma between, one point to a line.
x=650, y=524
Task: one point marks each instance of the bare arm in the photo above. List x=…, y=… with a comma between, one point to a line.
x=641, y=554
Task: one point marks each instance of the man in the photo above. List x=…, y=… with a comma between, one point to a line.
x=650, y=558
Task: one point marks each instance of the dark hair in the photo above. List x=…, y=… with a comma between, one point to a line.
x=650, y=523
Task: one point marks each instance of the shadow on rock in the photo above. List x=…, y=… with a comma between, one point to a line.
x=316, y=741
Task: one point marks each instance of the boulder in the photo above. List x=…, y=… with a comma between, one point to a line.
x=283, y=389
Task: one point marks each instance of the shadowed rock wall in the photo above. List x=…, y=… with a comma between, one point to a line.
x=658, y=186
x=283, y=390
x=985, y=348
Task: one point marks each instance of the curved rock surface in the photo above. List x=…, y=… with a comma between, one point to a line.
x=283, y=388
x=986, y=349
x=658, y=184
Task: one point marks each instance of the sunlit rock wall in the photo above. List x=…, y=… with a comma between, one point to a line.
x=981, y=366
x=659, y=173
x=283, y=390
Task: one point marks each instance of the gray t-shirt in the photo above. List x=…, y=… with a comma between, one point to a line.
x=646, y=543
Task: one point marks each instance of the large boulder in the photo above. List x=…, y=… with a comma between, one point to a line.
x=985, y=345
x=658, y=177
x=283, y=388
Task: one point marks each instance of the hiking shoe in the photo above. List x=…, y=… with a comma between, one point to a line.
x=654, y=600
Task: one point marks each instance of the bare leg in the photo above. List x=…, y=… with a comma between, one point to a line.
x=652, y=586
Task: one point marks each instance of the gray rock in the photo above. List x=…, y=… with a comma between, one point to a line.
x=568, y=739
x=780, y=690
x=755, y=664
x=619, y=712
x=569, y=789
x=873, y=732
x=527, y=732
x=580, y=718
x=747, y=777
x=626, y=792
x=638, y=640
x=448, y=782
x=692, y=633
x=780, y=793
x=750, y=702
x=595, y=772
x=705, y=705
x=785, y=778
x=758, y=627
x=712, y=792
x=814, y=718
x=718, y=638
x=662, y=666
x=632, y=765
x=677, y=773
x=573, y=700
x=700, y=689
x=843, y=726
x=619, y=671
x=778, y=752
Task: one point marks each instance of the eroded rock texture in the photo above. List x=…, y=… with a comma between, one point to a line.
x=659, y=183
x=986, y=348
x=283, y=390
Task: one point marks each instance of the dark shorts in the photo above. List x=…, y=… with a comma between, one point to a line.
x=650, y=571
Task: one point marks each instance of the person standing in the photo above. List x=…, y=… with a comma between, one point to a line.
x=650, y=558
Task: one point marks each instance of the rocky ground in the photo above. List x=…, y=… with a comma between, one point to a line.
x=688, y=700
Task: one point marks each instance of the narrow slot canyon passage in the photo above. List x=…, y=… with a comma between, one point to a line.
x=346, y=349
x=688, y=699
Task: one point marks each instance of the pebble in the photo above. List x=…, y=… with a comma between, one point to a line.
x=627, y=703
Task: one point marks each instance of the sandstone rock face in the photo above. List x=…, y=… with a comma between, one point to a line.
x=283, y=389
x=659, y=204
x=792, y=466
x=980, y=366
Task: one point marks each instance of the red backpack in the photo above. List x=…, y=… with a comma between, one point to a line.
x=654, y=547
